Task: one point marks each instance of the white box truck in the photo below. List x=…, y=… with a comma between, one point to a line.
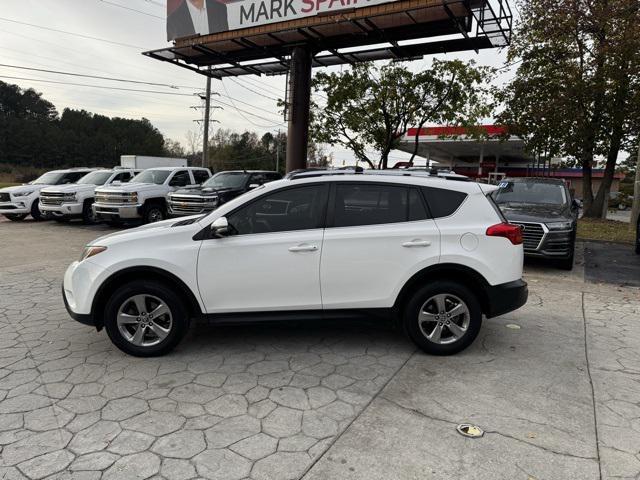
x=140, y=162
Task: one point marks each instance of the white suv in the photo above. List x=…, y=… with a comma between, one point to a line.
x=434, y=254
x=65, y=202
x=143, y=198
x=16, y=203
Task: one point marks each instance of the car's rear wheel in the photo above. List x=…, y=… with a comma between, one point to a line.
x=15, y=217
x=443, y=318
x=145, y=319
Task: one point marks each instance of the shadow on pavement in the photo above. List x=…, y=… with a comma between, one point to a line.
x=611, y=263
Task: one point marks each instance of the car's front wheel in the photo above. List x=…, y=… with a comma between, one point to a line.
x=145, y=319
x=154, y=212
x=443, y=318
x=16, y=217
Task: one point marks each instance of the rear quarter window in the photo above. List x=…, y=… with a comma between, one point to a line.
x=441, y=202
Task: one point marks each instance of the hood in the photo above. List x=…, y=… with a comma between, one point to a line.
x=200, y=190
x=71, y=188
x=22, y=188
x=151, y=229
x=128, y=187
x=518, y=212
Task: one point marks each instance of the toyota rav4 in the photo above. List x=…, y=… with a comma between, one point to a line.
x=436, y=255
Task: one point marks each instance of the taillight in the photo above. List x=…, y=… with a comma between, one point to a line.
x=506, y=230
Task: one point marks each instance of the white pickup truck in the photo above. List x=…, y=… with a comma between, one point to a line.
x=65, y=202
x=16, y=203
x=143, y=198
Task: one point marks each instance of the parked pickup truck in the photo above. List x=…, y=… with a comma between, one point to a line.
x=143, y=198
x=65, y=202
x=219, y=189
x=16, y=203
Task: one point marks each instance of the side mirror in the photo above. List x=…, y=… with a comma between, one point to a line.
x=254, y=185
x=220, y=227
x=575, y=204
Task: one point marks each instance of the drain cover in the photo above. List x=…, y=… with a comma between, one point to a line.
x=468, y=430
x=513, y=326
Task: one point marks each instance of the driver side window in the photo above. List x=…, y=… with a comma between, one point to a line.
x=287, y=210
x=180, y=179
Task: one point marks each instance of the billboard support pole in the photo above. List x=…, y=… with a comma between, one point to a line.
x=299, y=98
x=207, y=114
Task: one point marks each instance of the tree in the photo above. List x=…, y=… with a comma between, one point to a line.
x=371, y=108
x=576, y=88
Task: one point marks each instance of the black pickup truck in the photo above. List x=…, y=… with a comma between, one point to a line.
x=547, y=213
x=219, y=189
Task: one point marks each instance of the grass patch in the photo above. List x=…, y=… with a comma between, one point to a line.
x=2, y=185
x=606, y=230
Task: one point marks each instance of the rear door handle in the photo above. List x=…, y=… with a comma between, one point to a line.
x=303, y=248
x=416, y=243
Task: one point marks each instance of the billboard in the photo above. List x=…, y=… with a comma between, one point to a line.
x=202, y=17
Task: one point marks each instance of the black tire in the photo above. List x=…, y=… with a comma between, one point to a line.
x=88, y=218
x=567, y=263
x=16, y=217
x=121, y=299
x=449, y=344
x=35, y=210
x=153, y=212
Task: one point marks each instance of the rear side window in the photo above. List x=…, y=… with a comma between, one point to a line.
x=443, y=203
x=374, y=204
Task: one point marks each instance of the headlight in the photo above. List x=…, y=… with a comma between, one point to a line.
x=133, y=197
x=213, y=200
x=70, y=197
x=21, y=194
x=559, y=226
x=90, y=251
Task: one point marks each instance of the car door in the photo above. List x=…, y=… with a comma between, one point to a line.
x=378, y=235
x=270, y=260
x=180, y=179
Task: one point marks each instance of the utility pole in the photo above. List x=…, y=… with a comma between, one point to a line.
x=278, y=152
x=207, y=113
x=299, y=98
x=635, y=210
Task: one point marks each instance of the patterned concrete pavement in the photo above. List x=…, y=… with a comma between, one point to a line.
x=315, y=401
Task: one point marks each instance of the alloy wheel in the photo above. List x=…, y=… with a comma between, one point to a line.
x=444, y=318
x=144, y=320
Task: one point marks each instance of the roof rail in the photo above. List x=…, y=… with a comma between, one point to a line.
x=390, y=173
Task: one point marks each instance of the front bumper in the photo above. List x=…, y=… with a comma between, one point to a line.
x=84, y=318
x=14, y=208
x=506, y=297
x=64, y=209
x=117, y=212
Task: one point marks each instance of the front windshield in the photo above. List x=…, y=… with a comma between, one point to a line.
x=227, y=180
x=536, y=193
x=49, y=178
x=151, y=176
x=95, y=178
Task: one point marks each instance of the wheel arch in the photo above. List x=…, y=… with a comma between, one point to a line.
x=141, y=273
x=462, y=274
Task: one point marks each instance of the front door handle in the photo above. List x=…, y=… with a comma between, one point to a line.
x=416, y=243
x=304, y=247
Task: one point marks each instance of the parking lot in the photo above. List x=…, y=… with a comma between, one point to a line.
x=555, y=386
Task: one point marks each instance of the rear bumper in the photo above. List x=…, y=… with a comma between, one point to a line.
x=506, y=297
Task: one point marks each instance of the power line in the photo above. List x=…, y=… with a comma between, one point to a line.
x=251, y=90
x=114, y=79
x=131, y=9
x=98, y=86
x=240, y=111
x=73, y=34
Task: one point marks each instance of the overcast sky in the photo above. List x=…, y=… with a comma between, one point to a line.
x=133, y=32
